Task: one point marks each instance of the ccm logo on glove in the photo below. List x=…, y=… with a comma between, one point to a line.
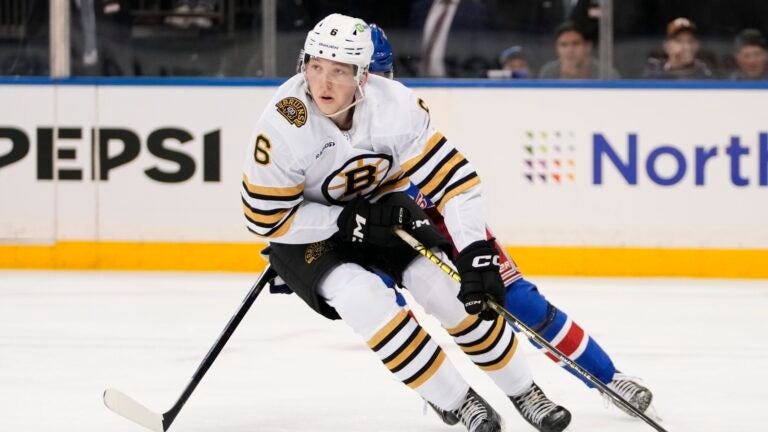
x=478, y=266
x=485, y=261
x=357, y=234
x=362, y=221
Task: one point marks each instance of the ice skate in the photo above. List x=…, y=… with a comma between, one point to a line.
x=475, y=413
x=632, y=391
x=540, y=412
x=448, y=417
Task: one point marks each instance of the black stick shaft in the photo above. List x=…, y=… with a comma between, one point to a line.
x=265, y=277
x=420, y=248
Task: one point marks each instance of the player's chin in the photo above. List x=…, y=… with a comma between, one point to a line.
x=328, y=107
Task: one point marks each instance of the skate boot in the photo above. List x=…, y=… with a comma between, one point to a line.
x=540, y=412
x=448, y=417
x=475, y=413
x=632, y=391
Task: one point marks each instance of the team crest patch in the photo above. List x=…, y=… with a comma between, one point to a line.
x=293, y=110
x=316, y=250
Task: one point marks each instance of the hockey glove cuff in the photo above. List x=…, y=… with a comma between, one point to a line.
x=478, y=266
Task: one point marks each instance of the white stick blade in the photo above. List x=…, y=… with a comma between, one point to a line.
x=123, y=405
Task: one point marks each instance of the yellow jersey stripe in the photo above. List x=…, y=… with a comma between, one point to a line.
x=463, y=325
x=427, y=374
x=431, y=143
x=504, y=360
x=498, y=326
x=278, y=193
x=395, y=362
x=264, y=219
x=387, y=329
x=467, y=184
x=434, y=183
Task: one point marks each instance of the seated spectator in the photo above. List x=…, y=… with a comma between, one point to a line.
x=574, y=56
x=681, y=48
x=513, y=59
x=751, y=56
x=513, y=64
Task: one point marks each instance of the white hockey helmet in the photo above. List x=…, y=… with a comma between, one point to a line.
x=343, y=39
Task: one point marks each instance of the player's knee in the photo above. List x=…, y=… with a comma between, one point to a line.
x=361, y=299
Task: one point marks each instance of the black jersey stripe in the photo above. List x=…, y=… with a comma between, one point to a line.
x=403, y=346
x=392, y=334
x=279, y=229
x=261, y=211
x=502, y=359
x=490, y=347
x=437, y=168
x=454, y=186
x=413, y=355
x=424, y=159
x=425, y=368
x=448, y=177
x=482, y=338
x=255, y=195
x=475, y=321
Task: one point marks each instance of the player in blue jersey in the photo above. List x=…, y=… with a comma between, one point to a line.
x=523, y=298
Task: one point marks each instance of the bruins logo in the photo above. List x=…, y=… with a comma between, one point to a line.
x=293, y=110
x=359, y=176
x=316, y=250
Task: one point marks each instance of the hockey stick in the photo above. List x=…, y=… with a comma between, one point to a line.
x=127, y=407
x=511, y=319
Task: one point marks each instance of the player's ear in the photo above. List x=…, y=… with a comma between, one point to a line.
x=364, y=79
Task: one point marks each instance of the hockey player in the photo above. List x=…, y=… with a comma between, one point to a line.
x=522, y=297
x=323, y=181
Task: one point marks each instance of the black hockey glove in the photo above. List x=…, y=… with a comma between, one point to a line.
x=478, y=266
x=366, y=222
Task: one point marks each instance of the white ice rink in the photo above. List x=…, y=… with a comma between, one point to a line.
x=700, y=345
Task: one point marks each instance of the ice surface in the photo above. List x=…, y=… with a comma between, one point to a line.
x=700, y=345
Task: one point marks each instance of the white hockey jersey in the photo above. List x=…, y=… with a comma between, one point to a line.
x=301, y=168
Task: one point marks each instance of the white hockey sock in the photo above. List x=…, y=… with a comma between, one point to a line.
x=493, y=347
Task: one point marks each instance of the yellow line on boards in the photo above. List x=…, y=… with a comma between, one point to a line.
x=642, y=262
x=76, y=255
x=245, y=257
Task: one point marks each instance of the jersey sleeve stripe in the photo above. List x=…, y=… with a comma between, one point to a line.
x=396, y=182
x=263, y=221
x=438, y=166
x=444, y=176
x=278, y=229
x=258, y=217
x=467, y=182
x=263, y=212
x=289, y=193
x=433, y=146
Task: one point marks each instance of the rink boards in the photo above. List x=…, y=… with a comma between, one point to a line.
x=582, y=179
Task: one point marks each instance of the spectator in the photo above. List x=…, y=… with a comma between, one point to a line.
x=188, y=13
x=681, y=48
x=574, y=56
x=514, y=64
x=441, y=18
x=751, y=56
